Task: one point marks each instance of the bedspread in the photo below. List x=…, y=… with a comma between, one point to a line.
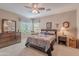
x=43, y=41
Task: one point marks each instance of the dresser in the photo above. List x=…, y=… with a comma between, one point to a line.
x=9, y=38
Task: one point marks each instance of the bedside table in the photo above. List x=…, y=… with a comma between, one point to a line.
x=72, y=43
x=62, y=39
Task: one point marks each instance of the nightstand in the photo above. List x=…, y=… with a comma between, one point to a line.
x=68, y=41
x=62, y=40
x=72, y=43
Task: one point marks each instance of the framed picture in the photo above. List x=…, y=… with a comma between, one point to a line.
x=8, y=25
x=49, y=25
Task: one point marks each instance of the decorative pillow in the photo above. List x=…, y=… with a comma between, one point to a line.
x=46, y=33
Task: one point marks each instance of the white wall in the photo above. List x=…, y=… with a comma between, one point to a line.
x=70, y=16
x=10, y=16
x=59, y=19
x=78, y=23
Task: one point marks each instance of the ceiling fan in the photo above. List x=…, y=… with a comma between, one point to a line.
x=36, y=9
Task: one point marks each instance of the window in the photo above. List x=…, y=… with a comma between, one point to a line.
x=26, y=27
x=36, y=27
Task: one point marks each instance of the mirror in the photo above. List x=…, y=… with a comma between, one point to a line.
x=8, y=25
x=66, y=24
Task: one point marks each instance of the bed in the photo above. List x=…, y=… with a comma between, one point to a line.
x=43, y=42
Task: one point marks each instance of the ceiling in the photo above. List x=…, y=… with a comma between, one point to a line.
x=19, y=8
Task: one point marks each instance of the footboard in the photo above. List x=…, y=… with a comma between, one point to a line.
x=42, y=48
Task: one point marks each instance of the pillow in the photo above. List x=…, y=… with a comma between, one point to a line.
x=46, y=33
x=51, y=32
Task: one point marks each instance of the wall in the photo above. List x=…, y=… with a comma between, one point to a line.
x=10, y=16
x=59, y=19
x=78, y=23
x=55, y=19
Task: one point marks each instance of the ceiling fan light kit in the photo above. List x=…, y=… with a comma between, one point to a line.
x=35, y=11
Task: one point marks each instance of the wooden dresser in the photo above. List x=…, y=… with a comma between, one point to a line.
x=9, y=38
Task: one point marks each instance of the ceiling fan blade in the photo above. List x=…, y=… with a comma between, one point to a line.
x=41, y=8
x=28, y=7
x=48, y=9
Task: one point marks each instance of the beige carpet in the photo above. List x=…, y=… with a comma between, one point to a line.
x=20, y=50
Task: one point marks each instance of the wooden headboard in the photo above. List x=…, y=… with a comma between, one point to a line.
x=50, y=31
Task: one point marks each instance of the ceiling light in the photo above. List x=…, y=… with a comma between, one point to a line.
x=35, y=11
